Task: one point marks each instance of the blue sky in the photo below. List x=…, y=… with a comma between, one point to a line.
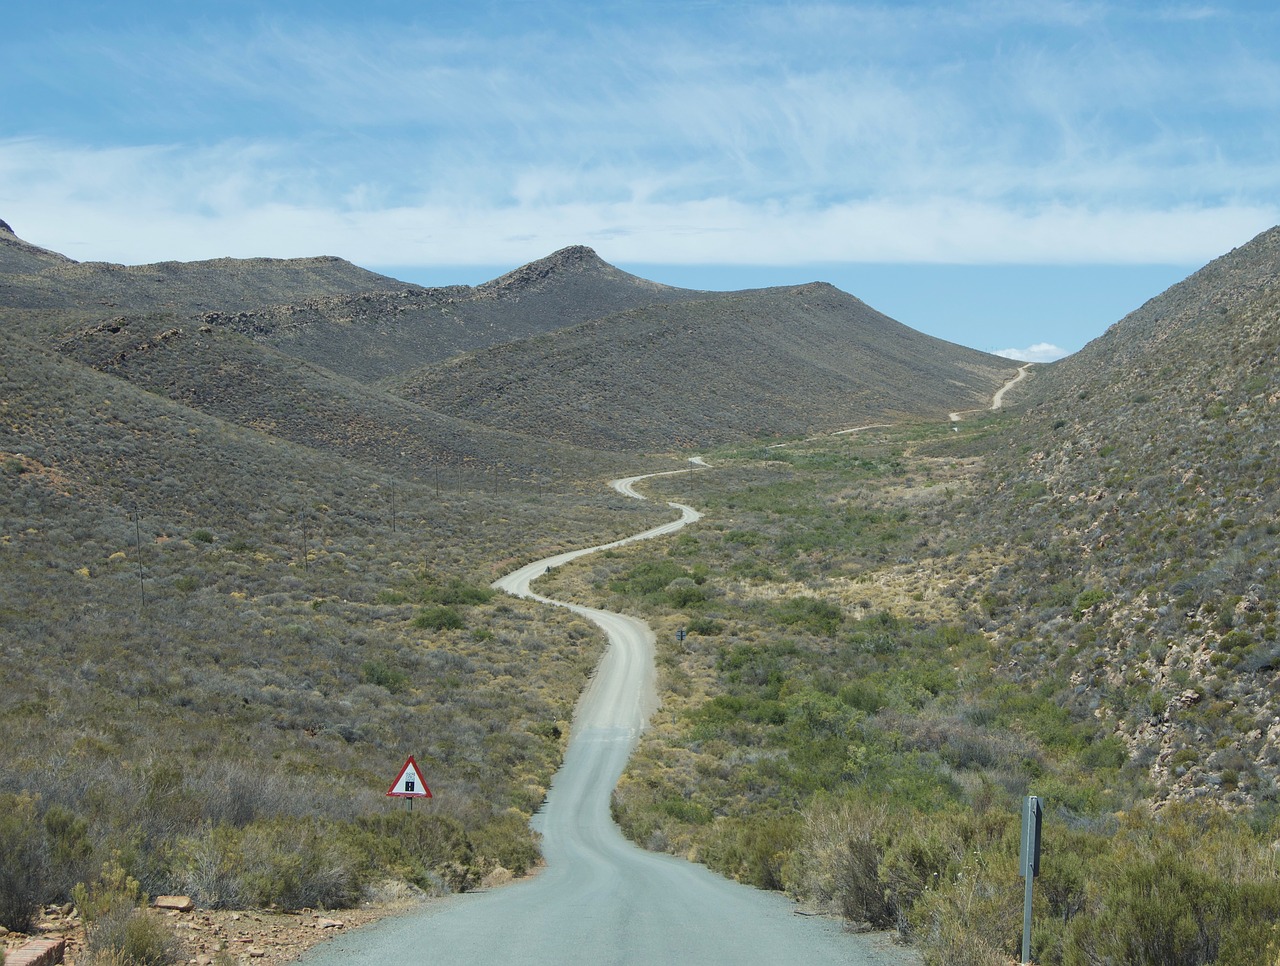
x=1001, y=173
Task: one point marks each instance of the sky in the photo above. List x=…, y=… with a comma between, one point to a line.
x=1011, y=175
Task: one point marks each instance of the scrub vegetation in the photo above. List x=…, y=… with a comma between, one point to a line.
x=242, y=583
x=844, y=720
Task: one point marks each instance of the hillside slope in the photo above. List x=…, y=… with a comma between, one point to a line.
x=228, y=376
x=374, y=335
x=728, y=366
x=1148, y=466
x=32, y=278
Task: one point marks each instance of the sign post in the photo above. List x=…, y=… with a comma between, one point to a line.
x=1029, y=861
x=409, y=785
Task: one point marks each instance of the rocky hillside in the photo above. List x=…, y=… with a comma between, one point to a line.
x=378, y=334
x=1146, y=481
x=220, y=373
x=727, y=366
x=627, y=364
x=32, y=278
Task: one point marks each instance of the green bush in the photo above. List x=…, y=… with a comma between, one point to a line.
x=705, y=626
x=113, y=889
x=816, y=616
x=23, y=862
x=427, y=850
x=649, y=579
x=457, y=591
x=506, y=841
x=837, y=859
x=285, y=863
x=384, y=676
x=129, y=936
x=439, y=618
x=753, y=850
x=70, y=850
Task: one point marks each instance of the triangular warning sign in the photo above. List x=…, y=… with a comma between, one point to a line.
x=410, y=783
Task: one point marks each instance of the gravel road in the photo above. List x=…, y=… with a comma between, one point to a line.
x=601, y=900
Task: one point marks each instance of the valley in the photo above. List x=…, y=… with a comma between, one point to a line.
x=253, y=512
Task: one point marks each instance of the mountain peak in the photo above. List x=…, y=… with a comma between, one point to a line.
x=4, y=227
x=573, y=260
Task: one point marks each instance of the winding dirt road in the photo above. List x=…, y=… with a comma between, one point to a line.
x=997, y=401
x=600, y=899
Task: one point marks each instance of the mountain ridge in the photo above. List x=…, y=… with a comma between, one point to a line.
x=797, y=358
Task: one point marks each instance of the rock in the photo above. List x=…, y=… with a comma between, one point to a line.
x=256, y=952
x=498, y=877
x=177, y=903
x=322, y=923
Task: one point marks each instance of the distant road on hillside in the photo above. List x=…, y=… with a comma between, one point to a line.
x=997, y=401
x=600, y=899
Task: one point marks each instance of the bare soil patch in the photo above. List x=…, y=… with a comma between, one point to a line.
x=223, y=936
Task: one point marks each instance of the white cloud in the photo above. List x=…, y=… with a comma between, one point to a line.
x=242, y=198
x=994, y=131
x=1040, y=352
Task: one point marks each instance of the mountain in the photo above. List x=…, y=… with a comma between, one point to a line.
x=375, y=335
x=18, y=258
x=32, y=278
x=1148, y=468
x=720, y=367
x=628, y=364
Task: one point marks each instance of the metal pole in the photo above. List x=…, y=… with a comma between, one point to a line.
x=1029, y=860
x=1026, y=921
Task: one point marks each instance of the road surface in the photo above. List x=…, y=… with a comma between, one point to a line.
x=997, y=401
x=600, y=900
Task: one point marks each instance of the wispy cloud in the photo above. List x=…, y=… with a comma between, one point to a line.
x=250, y=198
x=990, y=131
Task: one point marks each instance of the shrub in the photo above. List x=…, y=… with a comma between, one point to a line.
x=705, y=626
x=129, y=936
x=753, y=850
x=456, y=591
x=506, y=841
x=427, y=850
x=816, y=616
x=384, y=676
x=837, y=859
x=684, y=592
x=285, y=863
x=23, y=862
x=113, y=889
x=69, y=848
x=297, y=865
x=439, y=618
